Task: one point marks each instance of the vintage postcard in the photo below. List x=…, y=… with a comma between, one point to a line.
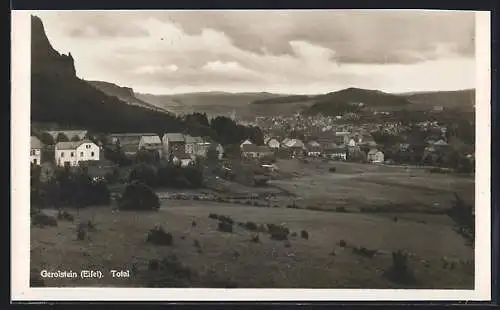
x=251, y=155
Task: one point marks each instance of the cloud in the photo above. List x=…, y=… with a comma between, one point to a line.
x=282, y=51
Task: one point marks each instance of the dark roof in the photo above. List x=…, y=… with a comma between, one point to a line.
x=35, y=143
x=71, y=145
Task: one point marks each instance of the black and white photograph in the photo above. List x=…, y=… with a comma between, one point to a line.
x=270, y=149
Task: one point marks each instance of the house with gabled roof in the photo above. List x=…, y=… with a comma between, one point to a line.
x=73, y=152
x=173, y=142
x=36, y=151
x=256, y=151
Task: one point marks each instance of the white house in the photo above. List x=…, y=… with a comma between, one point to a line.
x=73, y=152
x=220, y=151
x=193, y=144
x=273, y=143
x=336, y=153
x=36, y=151
x=247, y=141
x=173, y=142
x=255, y=151
x=375, y=156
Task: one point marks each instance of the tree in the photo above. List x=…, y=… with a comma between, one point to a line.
x=139, y=196
x=46, y=138
x=61, y=137
x=75, y=138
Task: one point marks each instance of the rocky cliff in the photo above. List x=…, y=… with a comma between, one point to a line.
x=44, y=58
x=59, y=96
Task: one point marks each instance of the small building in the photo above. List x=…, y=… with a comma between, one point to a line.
x=313, y=143
x=173, y=142
x=182, y=159
x=375, y=156
x=151, y=143
x=73, y=152
x=220, y=150
x=335, y=153
x=36, y=151
x=192, y=144
x=273, y=143
x=130, y=143
x=246, y=142
x=256, y=151
x=314, y=151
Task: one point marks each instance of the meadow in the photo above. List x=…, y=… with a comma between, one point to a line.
x=204, y=256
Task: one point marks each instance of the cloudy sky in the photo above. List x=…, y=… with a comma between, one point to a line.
x=166, y=52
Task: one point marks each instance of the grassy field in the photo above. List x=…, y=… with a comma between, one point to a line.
x=232, y=260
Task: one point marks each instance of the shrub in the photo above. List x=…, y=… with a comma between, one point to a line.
x=332, y=169
x=193, y=223
x=213, y=216
x=294, y=234
x=41, y=219
x=145, y=174
x=158, y=236
x=278, y=232
x=225, y=226
x=400, y=271
x=343, y=243
x=138, y=196
x=304, y=234
x=196, y=244
x=395, y=219
x=251, y=226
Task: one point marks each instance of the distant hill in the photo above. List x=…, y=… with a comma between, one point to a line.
x=458, y=99
x=59, y=96
x=336, y=102
x=125, y=94
x=212, y=103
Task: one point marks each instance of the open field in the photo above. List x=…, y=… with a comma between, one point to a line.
x=120, y=241
x=414, y=196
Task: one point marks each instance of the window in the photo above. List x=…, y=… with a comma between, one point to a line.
x=33, y=152
x=62, y=154
x=81, y=154
x=92, y=154
x=72, y=154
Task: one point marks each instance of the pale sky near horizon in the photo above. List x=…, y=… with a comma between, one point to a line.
x=285, y=51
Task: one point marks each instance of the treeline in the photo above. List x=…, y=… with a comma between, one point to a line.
x=168, y=175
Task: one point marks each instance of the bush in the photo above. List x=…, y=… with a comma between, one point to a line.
x=304, y=234
x=158, y=236
x=251, y=226
x=278, y=232
x=80, y=233
x=400, y=271
x=193, y=223
x=294, y=234
x=213, y=216
x=138, y=196
x=341, y=209
x=343, y=243
x=41, y=219
x=332, y=169
x=225, y=226
x=196, y=244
